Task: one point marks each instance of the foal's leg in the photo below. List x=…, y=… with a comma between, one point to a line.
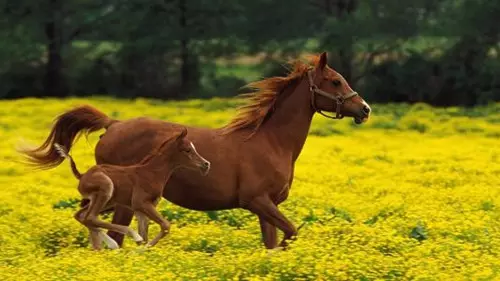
x=265, y=209
x=149, y=209
x=121, y=216
x=142, y=225
x=108, y=240
x=98, y=203
x=94, y=237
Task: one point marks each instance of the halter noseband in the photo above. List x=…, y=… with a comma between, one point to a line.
x=337, y=97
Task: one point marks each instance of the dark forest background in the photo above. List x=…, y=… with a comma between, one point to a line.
x=442, y=52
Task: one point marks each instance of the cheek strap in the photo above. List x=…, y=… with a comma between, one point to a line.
x=337, y=97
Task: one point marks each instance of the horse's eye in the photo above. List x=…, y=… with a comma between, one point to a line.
x=336, y=83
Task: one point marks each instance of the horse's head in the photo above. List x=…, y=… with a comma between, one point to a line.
x=184, y=154
x=331, y=92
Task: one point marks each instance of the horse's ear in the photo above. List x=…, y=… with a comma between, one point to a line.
x=182, y=134
x=323, y=60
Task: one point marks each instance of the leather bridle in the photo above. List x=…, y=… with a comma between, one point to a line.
x=337, y=97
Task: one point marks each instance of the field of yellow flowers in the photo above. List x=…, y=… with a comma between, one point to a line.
x=414, y=194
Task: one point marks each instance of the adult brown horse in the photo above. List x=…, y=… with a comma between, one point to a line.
x=252, y=157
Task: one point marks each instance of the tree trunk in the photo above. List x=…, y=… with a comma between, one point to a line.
x=54, y=80
x=185, y=71
x=344, y=9
x=346, y=56
x=469, y=54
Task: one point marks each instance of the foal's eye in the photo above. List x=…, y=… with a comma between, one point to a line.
x=336, y=83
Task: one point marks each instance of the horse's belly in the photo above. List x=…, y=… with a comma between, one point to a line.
x=202, y=196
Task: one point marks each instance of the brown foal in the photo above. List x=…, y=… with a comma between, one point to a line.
x=138, y=187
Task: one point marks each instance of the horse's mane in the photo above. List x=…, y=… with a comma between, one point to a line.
x=264, y=96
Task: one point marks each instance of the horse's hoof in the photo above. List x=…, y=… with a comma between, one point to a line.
x=275, y=250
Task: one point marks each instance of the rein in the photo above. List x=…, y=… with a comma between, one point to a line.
x=337, y=97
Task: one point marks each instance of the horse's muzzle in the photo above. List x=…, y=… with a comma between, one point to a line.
x=205, y=168
x=362, y=115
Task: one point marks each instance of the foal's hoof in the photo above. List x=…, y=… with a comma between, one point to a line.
x=137, y=238
x=139, y=241
x=110, y=242
x=114, y=246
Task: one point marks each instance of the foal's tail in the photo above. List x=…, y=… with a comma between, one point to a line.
x=66, y=130
x=62, y=152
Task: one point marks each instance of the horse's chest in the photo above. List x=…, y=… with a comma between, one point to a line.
x=281, y=180
x=282, y=194
x=269, y=174
x=280, y=175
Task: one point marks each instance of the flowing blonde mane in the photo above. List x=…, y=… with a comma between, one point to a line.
x=264, y=96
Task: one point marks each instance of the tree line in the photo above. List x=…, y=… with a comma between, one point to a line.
x=442, y=52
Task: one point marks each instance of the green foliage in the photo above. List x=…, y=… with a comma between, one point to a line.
x=419, y=233
x=439, y=52
x=342, y=214
x=53, y=240
x=71, y=203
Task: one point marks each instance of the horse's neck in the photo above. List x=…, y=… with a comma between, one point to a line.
x=289, y=125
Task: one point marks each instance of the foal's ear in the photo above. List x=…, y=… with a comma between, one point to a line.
x=182, y=134
x=323, y=61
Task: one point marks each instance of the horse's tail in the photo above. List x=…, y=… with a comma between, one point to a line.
x=67, y=129
x=64, y=154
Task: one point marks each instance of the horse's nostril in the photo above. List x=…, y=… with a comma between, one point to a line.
x=366, y=109
x=206, y=164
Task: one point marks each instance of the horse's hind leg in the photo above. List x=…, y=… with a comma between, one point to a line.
x=265, y=209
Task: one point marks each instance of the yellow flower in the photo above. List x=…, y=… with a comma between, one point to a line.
x=412, y=195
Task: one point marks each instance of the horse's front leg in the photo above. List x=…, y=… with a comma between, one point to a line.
x=264, y=207
x=269, y=235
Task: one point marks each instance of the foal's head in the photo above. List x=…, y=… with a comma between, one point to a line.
x=181, y=152
x=331, y=92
